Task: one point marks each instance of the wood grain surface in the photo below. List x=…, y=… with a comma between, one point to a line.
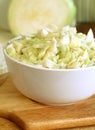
x=30, y=115
x=7, y=125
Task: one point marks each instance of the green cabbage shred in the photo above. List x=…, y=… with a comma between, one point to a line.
x=55, y=48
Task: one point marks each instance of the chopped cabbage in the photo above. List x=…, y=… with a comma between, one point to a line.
x=55, y=48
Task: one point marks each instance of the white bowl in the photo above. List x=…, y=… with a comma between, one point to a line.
x=52, y=86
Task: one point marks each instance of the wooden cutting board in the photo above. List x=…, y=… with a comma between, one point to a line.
x=7, y=125
x=30, y=115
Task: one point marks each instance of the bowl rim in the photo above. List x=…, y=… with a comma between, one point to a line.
x=36, y=67
x=46, y=69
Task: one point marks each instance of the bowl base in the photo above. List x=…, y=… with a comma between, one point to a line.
x=60, y=104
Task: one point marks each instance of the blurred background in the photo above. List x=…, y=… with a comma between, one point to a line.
x=85, y=11
x=85, y=15
x=72, y=12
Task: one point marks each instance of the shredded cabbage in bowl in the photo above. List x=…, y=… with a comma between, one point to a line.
x=55, y=48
